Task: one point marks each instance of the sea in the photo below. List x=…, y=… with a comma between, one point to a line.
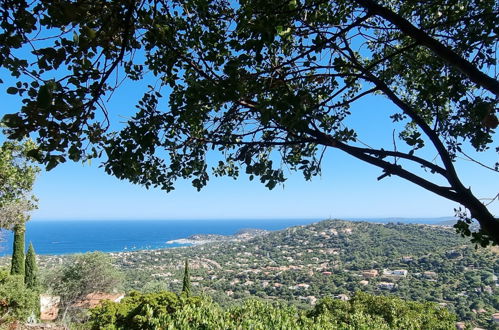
x=57, y=237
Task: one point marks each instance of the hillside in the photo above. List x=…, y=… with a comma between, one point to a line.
x=305, y=263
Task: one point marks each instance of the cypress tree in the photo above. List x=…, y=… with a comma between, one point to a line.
x=31, y=275
x=18, y=250
x=186, y=284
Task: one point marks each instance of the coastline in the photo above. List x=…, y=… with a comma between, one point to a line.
x=71, y=237
x=186, y=242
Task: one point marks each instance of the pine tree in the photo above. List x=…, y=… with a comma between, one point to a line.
x=186, y=285
x=31, y=275
x=18, y=250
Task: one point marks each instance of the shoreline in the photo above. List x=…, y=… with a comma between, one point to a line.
x=78, y=239
x=187, y=242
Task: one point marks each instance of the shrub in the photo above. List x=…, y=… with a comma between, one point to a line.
x=16, y=301
x=166, y=310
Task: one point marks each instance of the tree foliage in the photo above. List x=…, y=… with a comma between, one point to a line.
x=392, y=312
x=31, y=270
x=258, y=81
x=168, y=311
x=17, y=262
x=16, y=301
x=18, y=176
x=186, y=281
x=138, y=311
x=81, y=275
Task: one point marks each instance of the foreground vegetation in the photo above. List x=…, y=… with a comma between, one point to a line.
x=166, y=310
x=17, y=302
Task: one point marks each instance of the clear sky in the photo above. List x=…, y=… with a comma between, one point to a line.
x=347, y=187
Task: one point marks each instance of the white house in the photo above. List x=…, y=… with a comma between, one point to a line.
x=386, y=285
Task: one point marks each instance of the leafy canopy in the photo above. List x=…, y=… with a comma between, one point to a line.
x=17, y=177
x=258, y=81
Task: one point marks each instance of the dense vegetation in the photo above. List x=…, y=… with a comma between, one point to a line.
x=302, y=265
x=18, y=177
x=166, y=310
x=17, y=302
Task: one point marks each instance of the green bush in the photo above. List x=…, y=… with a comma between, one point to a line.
x=382, y=312
x=166, y=310
x=137, y=310
x=16, y=301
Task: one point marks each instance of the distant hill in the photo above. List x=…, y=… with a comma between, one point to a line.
x=406, y=220
x=448, y=223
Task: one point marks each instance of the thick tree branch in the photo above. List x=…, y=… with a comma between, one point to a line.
x=412, y=113
x=360, y=153
x=488, y=223
x=421, y=161
x=258, y=143
x=389, y=168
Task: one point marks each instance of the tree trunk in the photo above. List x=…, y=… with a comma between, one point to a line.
x=488, y=223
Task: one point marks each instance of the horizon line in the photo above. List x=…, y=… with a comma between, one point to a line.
x=244, y=218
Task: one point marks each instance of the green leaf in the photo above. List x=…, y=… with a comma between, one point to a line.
x=12, y=90
x=44, y=98
x=35, y=154
x=51, y=164
x=283, y=32
x=11, y=120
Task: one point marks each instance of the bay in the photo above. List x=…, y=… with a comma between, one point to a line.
x=65, y=237
x=79, y=236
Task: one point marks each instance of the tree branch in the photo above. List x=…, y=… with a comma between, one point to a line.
x=389, y=168
x=451, y=176
x=421, y=161
x=442, y=51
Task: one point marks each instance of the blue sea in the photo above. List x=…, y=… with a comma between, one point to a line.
x=65, y=237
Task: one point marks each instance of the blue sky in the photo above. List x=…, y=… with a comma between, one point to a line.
x=347, y=187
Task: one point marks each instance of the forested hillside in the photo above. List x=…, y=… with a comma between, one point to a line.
x=331, y=258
